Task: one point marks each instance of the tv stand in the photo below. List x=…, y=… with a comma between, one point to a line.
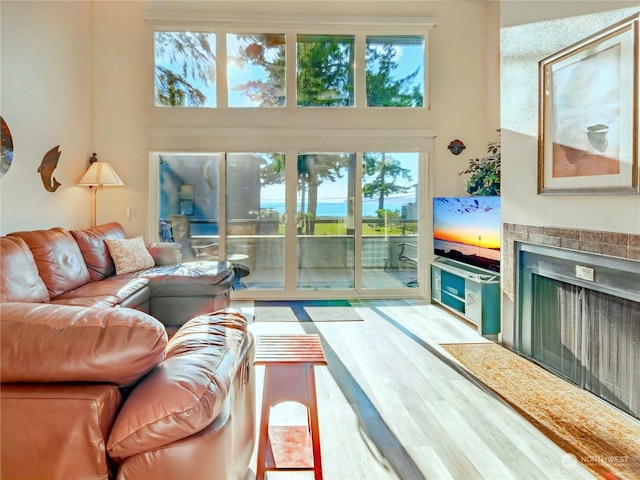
x=468, y=291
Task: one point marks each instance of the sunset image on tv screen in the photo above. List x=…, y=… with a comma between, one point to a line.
x=468, y=229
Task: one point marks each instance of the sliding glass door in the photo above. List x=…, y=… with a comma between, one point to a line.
x=325, y=225
x=255, y=210
x=304, y=224
x=390, y=221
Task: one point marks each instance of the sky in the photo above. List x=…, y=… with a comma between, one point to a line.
x=468, y=220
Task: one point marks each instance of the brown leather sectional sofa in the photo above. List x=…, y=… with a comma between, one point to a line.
x=92, y=388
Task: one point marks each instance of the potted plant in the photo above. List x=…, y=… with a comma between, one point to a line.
x=485, y=172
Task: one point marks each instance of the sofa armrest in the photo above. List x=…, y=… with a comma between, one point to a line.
x=63, y=343
x=186, y=392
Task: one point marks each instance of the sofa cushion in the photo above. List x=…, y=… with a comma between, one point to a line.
x=19, y=277
x=119, y=288
x=94, y=250
x=187, y=391
x=129, y=254
x=57, y=255
x=60, y=343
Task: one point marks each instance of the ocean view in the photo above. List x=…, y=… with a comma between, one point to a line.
x=339, y=209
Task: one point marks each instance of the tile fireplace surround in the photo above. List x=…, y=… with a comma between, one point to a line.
x=621, y=245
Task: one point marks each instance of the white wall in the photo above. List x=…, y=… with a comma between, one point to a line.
x=123, y=97
x=524, y=44
x=45, y=99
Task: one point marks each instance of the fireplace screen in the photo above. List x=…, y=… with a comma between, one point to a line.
x=590, y=338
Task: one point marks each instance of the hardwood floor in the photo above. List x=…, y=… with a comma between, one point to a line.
x=393, y=405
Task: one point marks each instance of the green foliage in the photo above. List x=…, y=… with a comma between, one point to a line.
x=194, y=55
x=172, y=90
x=392, y=223
x=382, y=89
x=325, y=72
x=485, y=172
x=381, y=173
x=304, y=222
x=389, y=214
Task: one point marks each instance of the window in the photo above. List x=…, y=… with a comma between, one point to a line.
x=256, y=70
x=325, y=70
x=185, y=69
x=395, y=71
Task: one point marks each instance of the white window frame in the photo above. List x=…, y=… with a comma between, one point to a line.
x=220, y=129
x=164, y=19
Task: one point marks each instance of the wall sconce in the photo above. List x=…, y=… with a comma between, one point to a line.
x=99, y=174
x=456, y=147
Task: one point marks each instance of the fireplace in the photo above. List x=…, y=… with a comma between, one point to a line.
x=578, y=315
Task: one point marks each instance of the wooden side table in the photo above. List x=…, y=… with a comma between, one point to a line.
x=289, y=376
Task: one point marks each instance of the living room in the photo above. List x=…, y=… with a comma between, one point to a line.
x=78, y=75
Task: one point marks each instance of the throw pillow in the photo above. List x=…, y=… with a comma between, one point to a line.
x=129, y=254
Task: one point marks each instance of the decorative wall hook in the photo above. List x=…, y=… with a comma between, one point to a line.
x=456, y=147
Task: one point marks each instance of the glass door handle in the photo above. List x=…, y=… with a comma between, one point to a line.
x=284, y=219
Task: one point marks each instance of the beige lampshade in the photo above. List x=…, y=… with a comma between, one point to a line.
x=100, y=174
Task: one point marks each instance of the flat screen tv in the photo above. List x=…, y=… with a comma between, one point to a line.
x=467, y=229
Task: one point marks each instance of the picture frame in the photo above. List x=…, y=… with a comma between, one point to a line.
x=588, y=115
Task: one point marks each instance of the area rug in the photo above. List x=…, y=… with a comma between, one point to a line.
x=308, y=311
x=303, y=303
x=595, y=434
x=274, y=314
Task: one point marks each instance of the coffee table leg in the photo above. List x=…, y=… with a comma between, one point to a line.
x=313, y=420
x=264, y=428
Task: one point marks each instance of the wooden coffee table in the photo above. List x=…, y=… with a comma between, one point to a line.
x=289, y=376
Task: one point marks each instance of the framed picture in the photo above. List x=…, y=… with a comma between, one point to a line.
x=588, y=115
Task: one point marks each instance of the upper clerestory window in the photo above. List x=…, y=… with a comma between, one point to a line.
x=325, y=70
x=395, y=71
x=185, y=69
x=256, y=70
